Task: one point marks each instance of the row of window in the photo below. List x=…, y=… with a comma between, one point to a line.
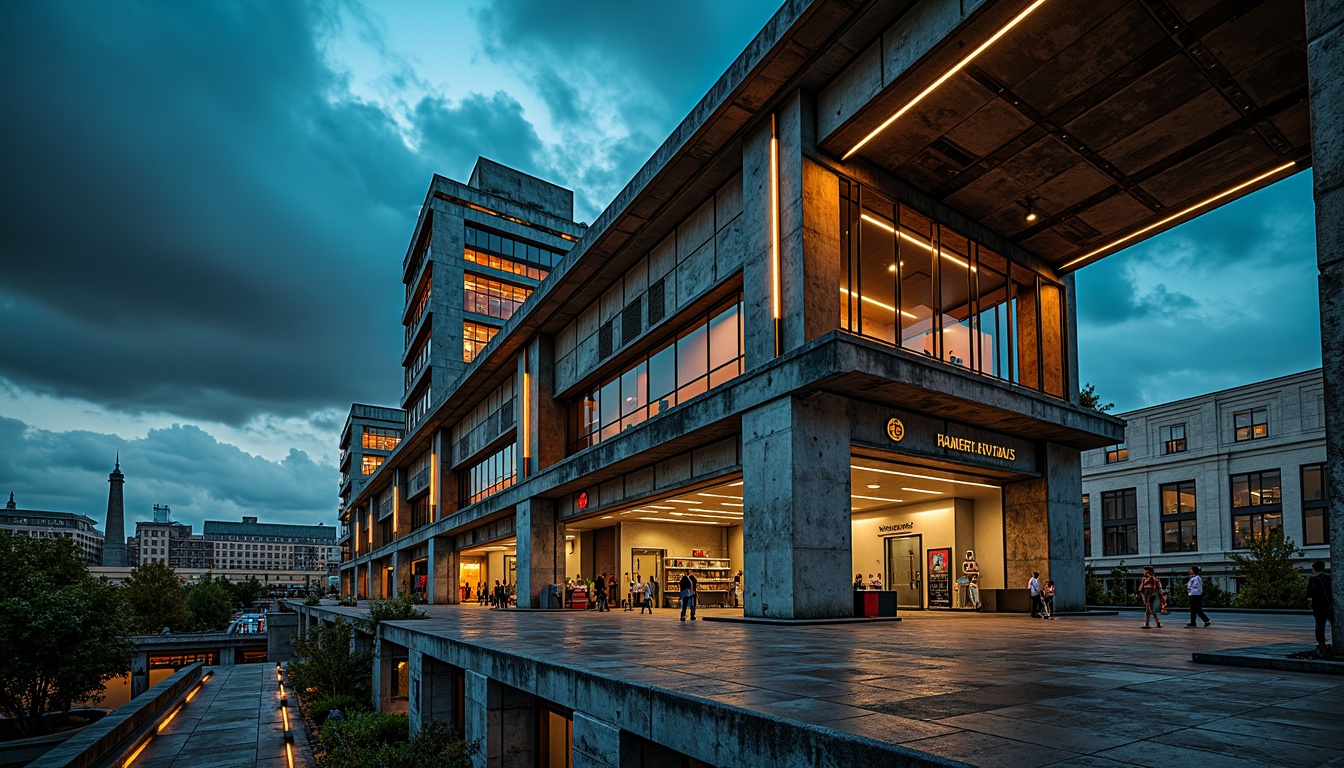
x=1246, y=425
x=481, y=239
x=492, y=298
x=475, y=337
x=1257, y=508
x=380, y=439
x=909, y=281
x=698, y=358
x=490, y=475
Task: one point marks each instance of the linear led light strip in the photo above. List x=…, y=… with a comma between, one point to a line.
x=774, y=229
x=945, y=77
x=921, y=477
x=884, y=225
x=877, y=303
x=1181, y=213
x=678, y=520
x=875, y=498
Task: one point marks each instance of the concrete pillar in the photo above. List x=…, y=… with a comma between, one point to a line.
x=431, y=691
x=809, y=235
x=797, y=527
x=139, y=673
x=281, y=627
x=1043, y=527
x=545, y=417
x=599, y=744
x=540, y=558
x=443, y=588
x=401, y=572
x=503, y=720
x=382, y=675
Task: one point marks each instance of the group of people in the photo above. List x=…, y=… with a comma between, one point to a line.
x=874, y=581
x=1042, y=597
x=606, y=591
x=501, y=596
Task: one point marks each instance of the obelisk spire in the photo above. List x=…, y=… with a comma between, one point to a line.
x=114, y=540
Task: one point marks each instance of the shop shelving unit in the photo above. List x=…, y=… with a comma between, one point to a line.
x=713, y=574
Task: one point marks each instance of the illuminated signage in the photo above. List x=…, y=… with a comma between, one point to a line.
x=583, y=501
x=895, y=527
x=977, y=447
x=895, y=430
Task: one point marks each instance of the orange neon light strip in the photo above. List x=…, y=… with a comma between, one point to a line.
x=774, y=220
x=1183, y=212
x=289, y=754
x=168, y=720
x=136, y=753
x=946, y=76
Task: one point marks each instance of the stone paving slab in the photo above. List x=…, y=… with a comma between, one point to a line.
x=1273, y=656
x=986, y=689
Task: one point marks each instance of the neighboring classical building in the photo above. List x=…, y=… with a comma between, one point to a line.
x=1194, y=479
x=41, y=524
x=308, y=553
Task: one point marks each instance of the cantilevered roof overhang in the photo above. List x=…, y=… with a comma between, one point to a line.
x=1112, y=119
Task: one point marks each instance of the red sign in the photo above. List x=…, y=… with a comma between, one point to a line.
x=583, y=500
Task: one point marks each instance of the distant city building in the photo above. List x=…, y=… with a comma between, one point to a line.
x=164, y=541
x=42, y=524
x=247, y=546
x=1196, y=479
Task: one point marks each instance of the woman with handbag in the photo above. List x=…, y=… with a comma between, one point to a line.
x=1150, y=590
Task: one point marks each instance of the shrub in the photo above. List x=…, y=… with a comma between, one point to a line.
x=376, y=740
x=325, y=666
x=1092, y=587
x=1270, y=581
x=313, y=599
x=348, y=705
x=398, y=608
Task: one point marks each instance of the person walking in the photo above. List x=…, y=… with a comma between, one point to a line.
x=613, y=590
x=1149, y=592
x=1194, y=588
x=601, y=589
x=1048, y=599
x=687, y=585
x=1034, y=590
x=1322, y=601
x=646, y=593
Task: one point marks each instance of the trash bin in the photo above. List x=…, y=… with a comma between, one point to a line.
x=555, y=596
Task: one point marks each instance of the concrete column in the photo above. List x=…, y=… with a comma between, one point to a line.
x=540, y=561
x=1043, y=527
x=546, y=416
x=139, y=673
x=797, y=526
x=431, y=691
x=502, y=718
x=401, y=572
x=442, y=572
x=1325, y=75
x=1072, y=383
x=599, y=744
x=382, y=675
x=809, y=235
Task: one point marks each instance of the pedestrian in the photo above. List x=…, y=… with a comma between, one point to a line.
x=1322, y=603
x=1034, y=591
x=737, y=590
x=858, y=582
x=613, y=591
x=601, y=589
x=1194, y=588
x=875, y=582
x=646, y=603
x=687, y=585
x=1149, y=592
x=632, y=596
x=1048, y=597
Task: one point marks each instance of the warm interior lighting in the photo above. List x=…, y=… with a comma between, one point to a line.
x=945, y=77
x=718, y=495
x=921, y=477
x=875, y=498
x=921, y=490
x=1183, y=212
x=774, y=227
x=678, y=520
x=1031, y=210
x=883, y=225
x=136, y=753
x=877, y=303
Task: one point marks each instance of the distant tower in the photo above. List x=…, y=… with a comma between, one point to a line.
x=11, y=504
x=114, y=540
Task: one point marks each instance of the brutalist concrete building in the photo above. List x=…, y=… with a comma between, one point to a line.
x=827, y=332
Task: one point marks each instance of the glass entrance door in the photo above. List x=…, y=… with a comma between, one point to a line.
x=649, y=562
x=904, y=577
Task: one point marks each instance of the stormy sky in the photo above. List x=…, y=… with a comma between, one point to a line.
x=206, y=205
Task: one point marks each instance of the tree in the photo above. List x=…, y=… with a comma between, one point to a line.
x=1088, y=398
x=324, y=664
x=157, y=599
x=211, y=605
x=1269, y=579
x=246, y=592
x=64, y=633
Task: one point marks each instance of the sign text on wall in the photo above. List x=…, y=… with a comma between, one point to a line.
x=977, y=447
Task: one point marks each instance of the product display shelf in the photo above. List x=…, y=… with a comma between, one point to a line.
x=713, y=575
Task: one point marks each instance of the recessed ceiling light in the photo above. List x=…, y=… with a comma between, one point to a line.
x=921, y=477
x=874, y=498
x=874, y=486
x=921, y=490
x=665, y=520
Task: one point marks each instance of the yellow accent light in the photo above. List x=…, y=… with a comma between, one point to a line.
x=1183, y=212
x=136, y=753
x=945, y=77
x=527, y=422
x=289, y=754
x=194, y=691
x=285, y=711
x=884, y=225
x=774, y=228
x=168, y=720
x=877, y=303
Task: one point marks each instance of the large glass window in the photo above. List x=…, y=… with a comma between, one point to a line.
x=490, y=475
x=699, y=357
x=909, y=281
x=1120, y=522
x=492, y=297
x=1172, y=438
x=370, y=464
x=1087, y=525
x=1117, y=453
x=1257, y=505
x=1251, y=425
x=509, y=254
x=475, y=337
x=1315, y=505
x=1179, y=523
x=380, y=439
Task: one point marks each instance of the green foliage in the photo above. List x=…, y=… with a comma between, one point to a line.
x=211, y=605
x=1092, y=587
x=324, y=665
x=62, y=631
x=157, y=599
x=399, y=608
x=319, y=708
x=1119, y=593
x=313, y=599
x=246, y=592
x=375, y=740
x=1267, y=568
x=1214, y=596
x=1088, y=398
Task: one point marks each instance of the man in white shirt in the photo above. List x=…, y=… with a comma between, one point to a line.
x=1034, y=587
x=1194, y=588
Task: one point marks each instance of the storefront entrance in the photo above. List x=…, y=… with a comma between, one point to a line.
x=903, y=574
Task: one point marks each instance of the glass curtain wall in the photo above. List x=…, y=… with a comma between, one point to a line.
x=911, y=282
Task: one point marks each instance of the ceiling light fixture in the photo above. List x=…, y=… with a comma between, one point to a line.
x=909, y=239
x=945, y=77
x=692, y=522
x=875, y=498
x=877, y=303
x=921, y=490
x=1181, y=213
x=874, y=486
x=921, y=477
x=1031, y=211
x=718, y=496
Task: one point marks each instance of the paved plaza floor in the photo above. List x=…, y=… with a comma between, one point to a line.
x=234, y=721
x=986, y=689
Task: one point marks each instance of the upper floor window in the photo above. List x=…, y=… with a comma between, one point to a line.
x=1120, y=522
x=1173, y=438
x=1315, y=505
x=489, y=475
x=493, y=298
x=698, y=358
x=1117, y=453
x=912, y=282
x=475, y=337
x=1251, y=424
x=370, y=464
x=509, y=254
x=379, y=439
x=1257, y=505
x=1179, y=522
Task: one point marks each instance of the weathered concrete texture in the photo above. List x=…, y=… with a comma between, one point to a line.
x=797, y=523
x=528, y=191
x=443, y=571
x=1043, y=527
x=539, y=560
x=281, y=626
x=502, y=718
